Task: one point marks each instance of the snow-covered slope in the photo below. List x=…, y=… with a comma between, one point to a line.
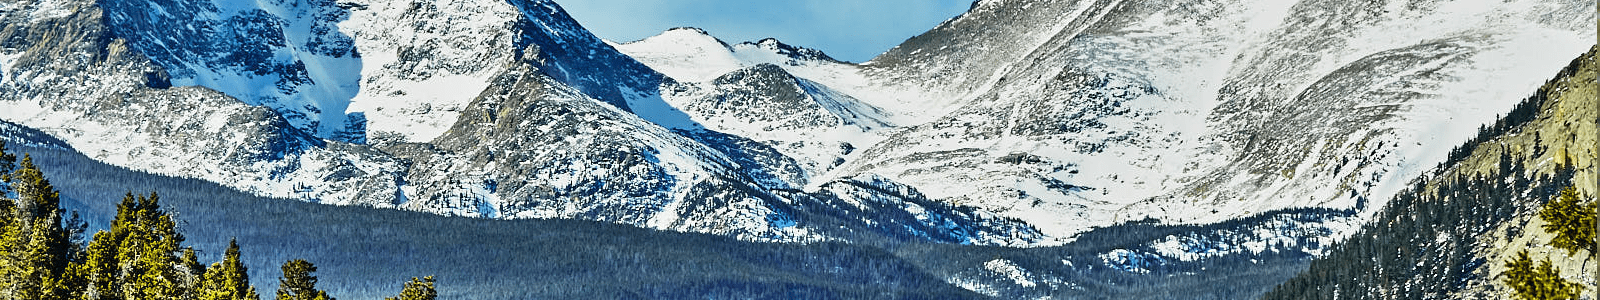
x=286, y=55
x=421, y=62
x=68, y=76
x=795, y=100
x=1203, y=111
x=1082, y=114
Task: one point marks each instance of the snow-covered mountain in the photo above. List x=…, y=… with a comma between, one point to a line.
x=1018, y=122
x=518, y=113
x=1202, y=111
x=1071, y=115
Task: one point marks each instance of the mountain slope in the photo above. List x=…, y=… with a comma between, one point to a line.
x=362, y=251
x=67, y=73
x=1456, y=228
x=1202, y=111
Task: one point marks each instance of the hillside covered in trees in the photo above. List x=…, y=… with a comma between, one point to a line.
x=1509, y=215
x=45, y=255
x=367, y=253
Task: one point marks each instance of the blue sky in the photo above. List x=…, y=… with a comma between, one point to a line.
x=850, y=30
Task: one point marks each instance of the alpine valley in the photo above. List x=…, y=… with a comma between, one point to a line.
x=1094, y=149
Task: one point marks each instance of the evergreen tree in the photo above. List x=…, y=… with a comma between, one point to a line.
x=37, y=243
x=192, y=270
x=228, y=279
x=138, y=257
x=1572, y=221
x=298, y=283
x=8, y=162
x=417, y=290
x=1541, y=283
x=101, y=264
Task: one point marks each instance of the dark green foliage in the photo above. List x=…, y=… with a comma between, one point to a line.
x=1542, y=283
x=417, y=289
x=1420, y=244
x=36, y=243
x=228, y=279
x=298, y=283
x=1571, y=220
x=8, y=162
x=547, y=259
x=139, y=256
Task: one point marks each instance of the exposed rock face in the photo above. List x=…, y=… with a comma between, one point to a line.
x=68, y=75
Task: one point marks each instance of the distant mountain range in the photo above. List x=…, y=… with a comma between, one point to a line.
x=1019, y=122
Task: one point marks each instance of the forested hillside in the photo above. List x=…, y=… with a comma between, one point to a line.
x=365, y=253
x=1475, y=227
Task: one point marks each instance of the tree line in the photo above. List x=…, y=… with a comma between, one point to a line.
x=43, y=254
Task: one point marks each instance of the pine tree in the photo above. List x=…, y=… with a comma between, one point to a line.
x=1541, y=283
x=1572, y=221
x=38, y=243
x=192, y=270
x=298, y=283
x=154, y=241
x=8, y=162
x=417, y=290
x=101, y=258
x=138, y=257
x=228, y=279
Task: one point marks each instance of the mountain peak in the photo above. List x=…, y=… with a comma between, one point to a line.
x=786, y=50
x=683, y=53
x=687, y=36
x=687, y=29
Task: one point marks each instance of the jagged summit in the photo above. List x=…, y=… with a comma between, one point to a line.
x=693, y=55
x=793, y=54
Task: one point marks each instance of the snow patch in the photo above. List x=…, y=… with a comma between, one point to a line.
x=1011, y=271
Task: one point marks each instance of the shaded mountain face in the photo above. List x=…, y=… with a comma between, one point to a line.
x=1020, y=122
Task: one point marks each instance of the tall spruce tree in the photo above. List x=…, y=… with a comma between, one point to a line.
x=37, y=243
x=228, y=279
x=8, y=162
x=1538, y=283
x=102, y=264
x=154, y=241
x=1571, y=220
x=298, y=283
x=138, y=258
x=417, y=289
